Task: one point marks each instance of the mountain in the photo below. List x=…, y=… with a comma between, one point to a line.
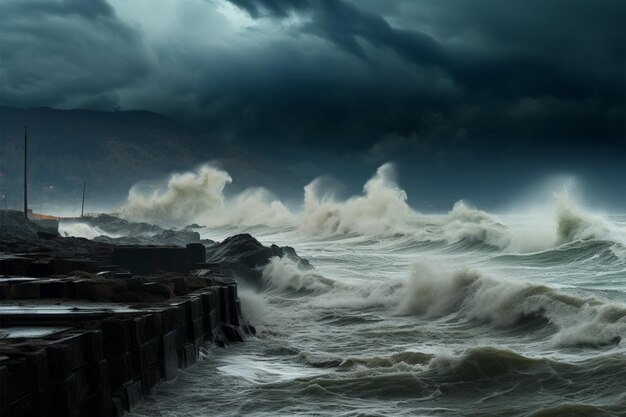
x=111, y=151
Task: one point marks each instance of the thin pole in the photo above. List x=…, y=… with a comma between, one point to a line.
x=26, y=171
x=82, y=209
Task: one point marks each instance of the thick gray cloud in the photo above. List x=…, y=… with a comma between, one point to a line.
x=346, y=76
x=69, y=53
x=552, y=69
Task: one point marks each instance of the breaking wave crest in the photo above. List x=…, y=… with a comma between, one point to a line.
x=471, y=364
x=199, y=197
x=381, y=211
x=285, y=274
x=79, y=229
x=432, y=293
x=482, y=372
x=502, y=303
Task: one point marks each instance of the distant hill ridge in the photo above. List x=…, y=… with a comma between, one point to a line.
x=112, y=151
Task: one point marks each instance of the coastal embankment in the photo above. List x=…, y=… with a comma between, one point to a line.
x=87, y=328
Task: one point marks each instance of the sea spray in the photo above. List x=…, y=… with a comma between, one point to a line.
x=285, y=274
x=254, y=306
x=380, y=212
x=573, y=224
x=187, y=196
x=198, y=196
x=80, y=229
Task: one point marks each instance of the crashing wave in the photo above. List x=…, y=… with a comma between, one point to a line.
x=381, y=211
x=502, y=303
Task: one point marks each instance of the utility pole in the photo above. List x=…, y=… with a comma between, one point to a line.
x=26, y=172
x=82, y=209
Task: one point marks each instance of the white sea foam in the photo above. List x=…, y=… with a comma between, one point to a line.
x=381, y=211
x=78, y=229
x=433, y=291
x=198, y=196
x=284, y=274
x=255, y=307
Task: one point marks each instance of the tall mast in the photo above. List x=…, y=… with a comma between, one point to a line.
x=82, y=209
x=26, y=171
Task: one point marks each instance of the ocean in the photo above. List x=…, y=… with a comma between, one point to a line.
x=465, y=313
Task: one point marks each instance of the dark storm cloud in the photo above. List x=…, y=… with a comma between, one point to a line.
x=69, y=53
x=528, y=69
x=369, y=76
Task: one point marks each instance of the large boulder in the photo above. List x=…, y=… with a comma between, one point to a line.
x=244, y=256
x=115, y=226
x=14, y=224
x=164, y=237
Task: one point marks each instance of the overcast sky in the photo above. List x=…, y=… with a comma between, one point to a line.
x=376, y=78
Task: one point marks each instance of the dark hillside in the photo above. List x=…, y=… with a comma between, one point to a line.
x=112, y=151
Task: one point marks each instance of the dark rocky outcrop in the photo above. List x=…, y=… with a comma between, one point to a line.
x=164, y=237
x=243, y=256
x=116, y=226
x=14, y=225
x=25, y=236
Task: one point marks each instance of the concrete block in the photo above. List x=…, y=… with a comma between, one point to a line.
x=180, y=354
x=194, y=307
x=233, y=318
x=196, y=253
x=170, y=359
x=14, y=265
x=232, y=333
x=145, y=260
x=26, y=290
x=181, y=310
x=181, y=336
x=215, y=320
x=207, y=327
x=120, y=368
x=67, y=265
x=85, y=383
x=76, y=346
x=133, y=393
x=155, y=324
x=4, y=388
x=117, y=406
x=208, y=301
x=138, y=331
x=103, y=390
x=58, y=362
x=95, y=346
x=39, y=268
x=27, y=406
x=190, y=354
x=53, y=289
x=150, y=378
x=65, y=396
x=223, y=304
x=149, y=354
x=199, y=343
x=196, y=330
x=116, y=335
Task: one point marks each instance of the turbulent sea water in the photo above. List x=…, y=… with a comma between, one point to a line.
x=461, y=314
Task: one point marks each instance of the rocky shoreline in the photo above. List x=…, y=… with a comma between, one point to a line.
x=88, y=327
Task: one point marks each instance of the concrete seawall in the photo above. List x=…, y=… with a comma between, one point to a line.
x=94, y=345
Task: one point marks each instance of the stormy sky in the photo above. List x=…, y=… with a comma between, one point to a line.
x=485, y=94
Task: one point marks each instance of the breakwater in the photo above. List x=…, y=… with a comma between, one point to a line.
x=94, y=341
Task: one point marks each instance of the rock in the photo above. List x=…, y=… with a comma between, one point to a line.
x=243, y=255
x=14, y=224
x=163, y=237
